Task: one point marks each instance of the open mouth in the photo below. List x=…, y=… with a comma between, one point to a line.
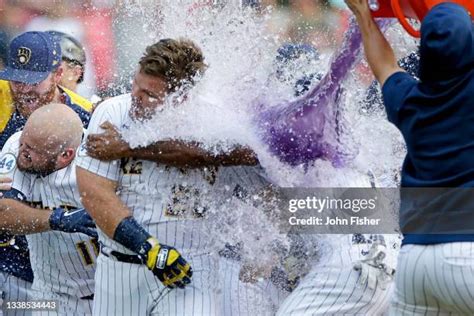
x=26, y=156
x=29, y=99
x=29, y=102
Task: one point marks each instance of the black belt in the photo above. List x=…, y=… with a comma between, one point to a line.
x=122, y=257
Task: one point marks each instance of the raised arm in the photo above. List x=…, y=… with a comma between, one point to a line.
x=110, y=146
x=378, y=51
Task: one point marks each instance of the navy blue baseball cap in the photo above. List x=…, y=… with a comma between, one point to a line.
x=32, y=57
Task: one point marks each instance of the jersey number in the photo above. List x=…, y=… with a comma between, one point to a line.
x=7, y=163
x=184, y=198
x=84, y=252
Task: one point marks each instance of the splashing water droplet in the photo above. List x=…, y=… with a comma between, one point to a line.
x=374, y=5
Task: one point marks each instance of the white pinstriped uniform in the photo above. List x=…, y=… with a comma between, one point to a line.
x=14, y=289
x=241, y=298
x=162, y=200
x=331, y=287
x=435, y=280
x=63, y=264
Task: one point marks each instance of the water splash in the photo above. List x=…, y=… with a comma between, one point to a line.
x=319, y=140
x=312, y=127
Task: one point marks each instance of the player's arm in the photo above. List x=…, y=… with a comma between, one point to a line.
x=109, y=145
x=378, y=51
x=191, y=155
x=98, y=195
x=18, y=218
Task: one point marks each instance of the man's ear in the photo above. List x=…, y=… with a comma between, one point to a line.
x=57, y=75
x=78, y=73
x=66, y=157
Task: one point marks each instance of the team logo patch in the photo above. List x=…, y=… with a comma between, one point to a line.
x=24, y=55
x=131, y=166
x=7, y=163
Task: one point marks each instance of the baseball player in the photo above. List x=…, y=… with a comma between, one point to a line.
x=350, y=278
x=140, y=228
x=62, y=252
x=73, y=60
x=434, y=114
x=215, y=190
x=29, y=81
x=246, y=277
x=163, y=199
x=333, y=286
x=227, y=181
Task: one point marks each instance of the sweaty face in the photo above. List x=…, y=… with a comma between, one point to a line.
x=36, y=156
x=28, y=97
x=148, y=93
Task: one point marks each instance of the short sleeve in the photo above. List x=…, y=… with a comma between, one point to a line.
x=108, y=111
x=8, y=166
x=395, y=91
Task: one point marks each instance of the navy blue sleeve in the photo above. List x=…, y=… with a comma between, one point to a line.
x=395, y=92
x=14, y=254
x=14, y=194
x=83, y=115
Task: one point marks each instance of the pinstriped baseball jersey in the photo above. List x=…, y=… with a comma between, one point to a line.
x=170, y=204
x=62, y=263
x=14, y=253
x=237, y=188
x=162, y=199
x=14, y=289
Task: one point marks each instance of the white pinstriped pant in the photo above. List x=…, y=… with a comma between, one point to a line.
x=131, y=289
x=14, y=289
x=246, y=299
x=435, y=280
x=332, y=288
x=67, y=305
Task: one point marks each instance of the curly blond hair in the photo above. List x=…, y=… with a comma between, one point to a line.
x=178, y=62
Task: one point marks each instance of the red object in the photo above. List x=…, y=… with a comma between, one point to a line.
x=100, y=41
x=415, y=9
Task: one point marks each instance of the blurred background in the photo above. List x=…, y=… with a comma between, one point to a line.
x=114, y=35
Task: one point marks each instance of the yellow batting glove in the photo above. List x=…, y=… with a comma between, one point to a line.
x=168, y=265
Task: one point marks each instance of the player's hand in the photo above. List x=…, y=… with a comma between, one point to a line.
x=5, y=183
x=358, y=7
x=167, y=265
x=107, y=145
x=373, y=272
x=73, y=221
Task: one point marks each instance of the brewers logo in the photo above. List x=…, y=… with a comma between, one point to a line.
x=24, y=55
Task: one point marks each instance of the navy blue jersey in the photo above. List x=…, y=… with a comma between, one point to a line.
x=14, y=255
x=436, y=118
